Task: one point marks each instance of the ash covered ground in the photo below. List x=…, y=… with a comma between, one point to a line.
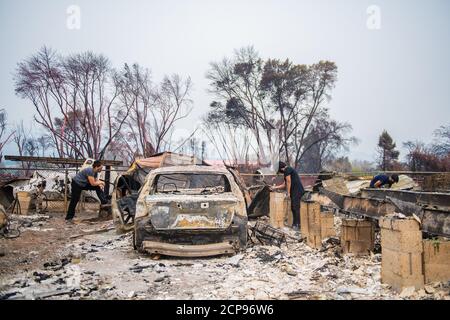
x=52, y=260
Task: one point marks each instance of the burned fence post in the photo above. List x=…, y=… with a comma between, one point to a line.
x=107, y=179
x=66, y=177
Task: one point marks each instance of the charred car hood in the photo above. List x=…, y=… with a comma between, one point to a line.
x=184, y=212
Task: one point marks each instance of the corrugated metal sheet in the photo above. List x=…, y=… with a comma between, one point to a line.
x=165, y=159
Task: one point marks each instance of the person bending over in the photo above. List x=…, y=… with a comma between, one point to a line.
x=295, y=190
x=382, y=180
x=86, y=179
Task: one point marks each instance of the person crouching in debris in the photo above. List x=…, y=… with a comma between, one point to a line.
x=381, y=180
x=86, y=179
x=294, y=188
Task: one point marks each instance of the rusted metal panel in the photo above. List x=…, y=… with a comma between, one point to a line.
x=367, y=207
x=338, y=199
x=178, y=250
x=260, y=203
x=434, y=219
x=241, y=184
x=436, y=222
x=429, y=198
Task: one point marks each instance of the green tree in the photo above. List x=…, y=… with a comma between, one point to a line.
x=386, y=151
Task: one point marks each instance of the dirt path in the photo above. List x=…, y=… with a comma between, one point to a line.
x=42, y=238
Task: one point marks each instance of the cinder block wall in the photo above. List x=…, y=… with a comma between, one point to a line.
x=436, y=260
x=357, y=236
x=278, y=209
x=314, y=224
x=402, y=248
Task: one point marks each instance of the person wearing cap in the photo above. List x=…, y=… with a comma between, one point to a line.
x=382, y=180
x=295, y=190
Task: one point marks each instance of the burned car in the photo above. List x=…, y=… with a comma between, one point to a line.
x=187, y=211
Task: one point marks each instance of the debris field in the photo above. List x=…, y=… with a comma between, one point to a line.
x=89, y=260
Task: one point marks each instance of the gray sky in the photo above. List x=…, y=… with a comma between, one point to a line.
x=394, y=78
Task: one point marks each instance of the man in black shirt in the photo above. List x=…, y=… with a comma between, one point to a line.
x=295, y=190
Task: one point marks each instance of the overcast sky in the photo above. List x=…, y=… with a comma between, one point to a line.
x=395, y=77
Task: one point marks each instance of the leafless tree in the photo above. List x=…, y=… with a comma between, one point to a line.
x=74, y=98
x=44, y=144
x=154, y=112
x=441, y=145
x=276, y=100
x=338, y=164
x=172, y=104
x=26, y=145
x=324, y=141
x=135, y=135
x=322, y=77
x=430, y=157
x=5, y=136
x=362, y=166
x=231, y=141
x=422, y=157
x=236, y=81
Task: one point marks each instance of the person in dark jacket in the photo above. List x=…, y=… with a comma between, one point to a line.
x=295, y=190
x=86, y=179
x=382, y=180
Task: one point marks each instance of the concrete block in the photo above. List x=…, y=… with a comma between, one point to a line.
x=314, y=224
x=401, y=270
x=314, y=213
x=277, y=213
x=357, y=236
x=314, y=240
x=436, y=260
x=25, y=201
x=399, y=224
x=401, y=253
x=327, y=225
x=304, y=219
x=406, y=241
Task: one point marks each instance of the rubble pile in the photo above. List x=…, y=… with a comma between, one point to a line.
x=105, y=266
x=34, y=222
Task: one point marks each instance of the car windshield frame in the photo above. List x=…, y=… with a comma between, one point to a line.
x=174, y=183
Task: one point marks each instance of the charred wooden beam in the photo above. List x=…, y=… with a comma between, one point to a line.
x=434, y=220
x=67, y=161
x=439, y=199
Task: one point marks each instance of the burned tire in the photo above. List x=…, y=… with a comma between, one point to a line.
x=241, y=222
x=138, y=238
x=243, y=239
